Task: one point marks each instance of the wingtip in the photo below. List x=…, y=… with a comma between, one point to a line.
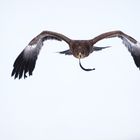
x=136, y=60
x=22, y=66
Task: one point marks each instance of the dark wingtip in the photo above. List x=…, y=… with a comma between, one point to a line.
x=22, y=66
x=136, y=60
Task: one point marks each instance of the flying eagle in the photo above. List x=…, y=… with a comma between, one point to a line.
x=25, y=62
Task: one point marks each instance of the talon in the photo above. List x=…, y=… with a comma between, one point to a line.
x=85, y=69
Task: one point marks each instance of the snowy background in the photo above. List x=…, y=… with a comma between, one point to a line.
x=61, y=101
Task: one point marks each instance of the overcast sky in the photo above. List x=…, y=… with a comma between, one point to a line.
x=61, y=101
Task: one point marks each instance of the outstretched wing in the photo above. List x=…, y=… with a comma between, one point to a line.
x=25, y=62
x=131, y=44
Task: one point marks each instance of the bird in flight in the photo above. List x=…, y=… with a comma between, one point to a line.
x=25, y=62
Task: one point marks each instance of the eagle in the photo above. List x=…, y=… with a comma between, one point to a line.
x=26, y=61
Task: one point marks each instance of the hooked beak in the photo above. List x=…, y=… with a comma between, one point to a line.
x=80, y=55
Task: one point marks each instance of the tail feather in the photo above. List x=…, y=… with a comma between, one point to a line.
x=66, y=52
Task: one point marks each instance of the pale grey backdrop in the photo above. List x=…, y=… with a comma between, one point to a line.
x=61, y=101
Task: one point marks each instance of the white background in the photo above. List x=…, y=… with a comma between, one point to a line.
x=61, y=101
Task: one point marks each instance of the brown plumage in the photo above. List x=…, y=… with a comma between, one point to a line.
x=26, y=60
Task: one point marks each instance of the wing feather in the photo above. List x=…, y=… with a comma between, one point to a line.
x=26, y=61
x=134, y=49
x=129, y=42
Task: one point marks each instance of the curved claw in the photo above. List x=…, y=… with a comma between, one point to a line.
x=85, y=69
